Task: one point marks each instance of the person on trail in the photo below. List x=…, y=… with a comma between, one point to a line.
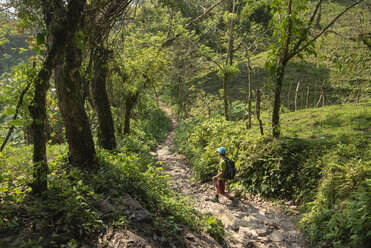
x=220, y=181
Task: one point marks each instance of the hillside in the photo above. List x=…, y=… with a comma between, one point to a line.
x=342, y=66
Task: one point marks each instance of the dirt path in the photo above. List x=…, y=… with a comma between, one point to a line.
x=252, y=223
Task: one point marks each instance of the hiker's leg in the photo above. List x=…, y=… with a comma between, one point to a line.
x=220, y=187
x=216, y=197
x=226, y=195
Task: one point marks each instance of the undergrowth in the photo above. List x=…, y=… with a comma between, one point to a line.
x=74, y=196
x=322, y=161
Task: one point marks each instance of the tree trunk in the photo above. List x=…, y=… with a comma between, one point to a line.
x=302, y=98
x=277, y=101
x=38, y=112
x=320, y=98
x=296, y=96
x=288, y=96
x=61, y=22
x=315, y=95
x=359, y=94
x=229, y=61
x=106, y=130
x=71, y=104
x=257, y=111
x=323, y=98
x=249, y=96
x=269, y=96
x=225, y=95
x=129, y=105
x=308, y=94
x=318, y=21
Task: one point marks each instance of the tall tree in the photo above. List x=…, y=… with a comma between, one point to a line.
x=219, y=39
x=71, y=103
x=140, y=64
x=294, y=36
x=99, y=26
x=61, y=22
x=253, y=26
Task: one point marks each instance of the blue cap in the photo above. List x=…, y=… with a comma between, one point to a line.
x=222, y=150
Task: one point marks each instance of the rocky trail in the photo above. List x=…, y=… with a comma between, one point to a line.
x=252, y=223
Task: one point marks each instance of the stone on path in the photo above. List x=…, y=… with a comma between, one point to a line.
x=227, y=218
x=277, y=236
x=107, y=207
x=127, y=239
x=253, y=221
x=138, y=212
x=247, y=232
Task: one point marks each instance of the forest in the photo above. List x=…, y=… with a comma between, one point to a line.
x=117, y=117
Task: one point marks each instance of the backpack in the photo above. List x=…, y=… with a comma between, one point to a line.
x=230, y=171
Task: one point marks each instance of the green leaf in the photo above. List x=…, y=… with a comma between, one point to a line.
x=10, y=111
x=2, y=118
x=211, y=220
x=17, y=122
x=36, y=49
x=40, y=39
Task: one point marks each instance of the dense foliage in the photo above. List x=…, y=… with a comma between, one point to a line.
x=74, y=195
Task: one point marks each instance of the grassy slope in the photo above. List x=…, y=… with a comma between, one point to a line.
x=339, y=120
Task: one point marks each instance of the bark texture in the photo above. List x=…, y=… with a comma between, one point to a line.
x=61, y=22
x=38, y=114
x=277, y=101
x=71, y=104
x=106, y=131
x=257, y=110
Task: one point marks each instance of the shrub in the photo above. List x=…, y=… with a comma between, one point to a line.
x=322, y=161
x=341, y=211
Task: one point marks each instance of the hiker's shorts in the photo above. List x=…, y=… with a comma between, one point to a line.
x=220, y=187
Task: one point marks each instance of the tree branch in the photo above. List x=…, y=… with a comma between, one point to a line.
x=300, y=41
x=286, y=51
x=15, y=115
x=168, y=42
x=327, y=27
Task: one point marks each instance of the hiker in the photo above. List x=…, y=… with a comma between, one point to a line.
x=220, y=181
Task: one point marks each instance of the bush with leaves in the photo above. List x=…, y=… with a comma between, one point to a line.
x=74, y=196
x=341, y=211
x=322, y=162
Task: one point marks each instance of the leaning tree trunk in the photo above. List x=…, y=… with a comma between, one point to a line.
x=106, y=130
x=71, y=103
